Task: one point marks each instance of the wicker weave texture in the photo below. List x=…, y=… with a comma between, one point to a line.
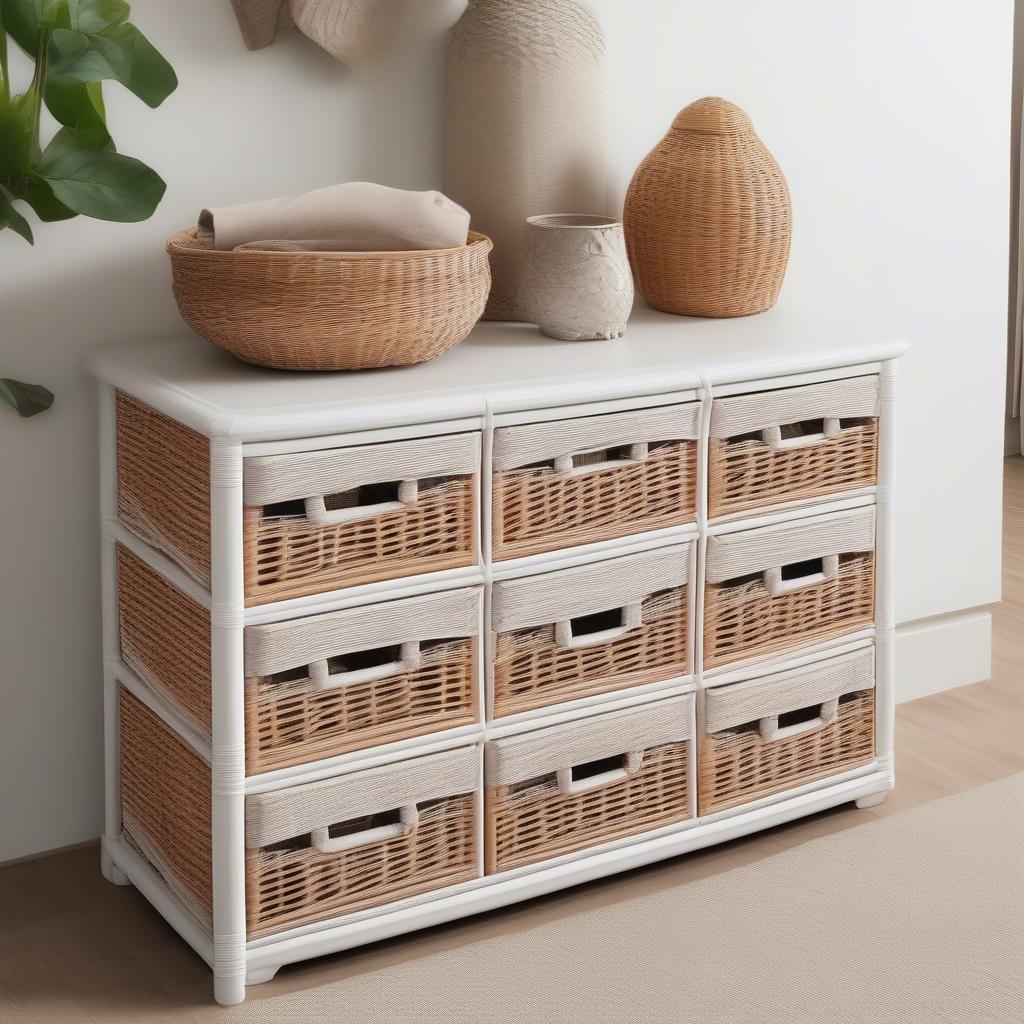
x=291, y=884
x=165, y=638
x=538, y=509
x=163, y=484
x=532, y=671
x=331, y=311
x=738, y=766
x=291, y=722
x=742, y=619
x=165, y=800
x=745, y=473
x=708, y=217
x=286, y=556
x=534, y=820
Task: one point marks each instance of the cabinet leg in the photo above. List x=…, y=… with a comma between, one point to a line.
x=260, y=975
x=111, y=872
x=229, y=989
x=873, y=800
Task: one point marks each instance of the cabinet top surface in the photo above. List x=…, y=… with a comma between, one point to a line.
x=510, y=367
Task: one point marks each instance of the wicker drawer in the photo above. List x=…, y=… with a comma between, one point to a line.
x=327, y=684
x=780, y=587
x=576, y=481
x=591, y=629
x=372, y=837
x=791, y=445
x=567, y=787
x=312, y=852
x=780, y=731
x=313, y=521
x=315, y=686
x=317, y=521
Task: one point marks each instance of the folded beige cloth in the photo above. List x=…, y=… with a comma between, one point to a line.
x=346, y=29
x=355, y=217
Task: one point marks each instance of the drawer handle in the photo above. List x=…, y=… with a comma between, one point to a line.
x=772, y=436
x=777, y=586
x=320, y=516
x=320, y=673
x=565, y=465
x=409, y=818
x=568, y=786
x=632, y=618
x=771, y=733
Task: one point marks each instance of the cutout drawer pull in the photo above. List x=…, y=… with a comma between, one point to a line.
x=409, y=818
x=632, y=618
x=637, y=453
x=771, y=732
x=772, y=436
x=569, y=786
x=777, y=585
x=320, y=515
x=320, y=673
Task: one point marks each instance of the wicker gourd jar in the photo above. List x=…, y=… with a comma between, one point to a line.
x=708, y=217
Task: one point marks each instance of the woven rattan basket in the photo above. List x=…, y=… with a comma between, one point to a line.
x=596, y=628
x=331, y=310
x=565, y=482
x=777, y=732
x=794, y=444
x=778, y=588
x=708, y=217
x=568, y=787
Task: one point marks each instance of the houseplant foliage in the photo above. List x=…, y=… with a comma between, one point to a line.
x=76, y=46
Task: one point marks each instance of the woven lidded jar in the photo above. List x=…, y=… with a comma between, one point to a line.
x=708, y=217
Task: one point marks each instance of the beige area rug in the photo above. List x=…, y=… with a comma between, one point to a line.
x=913, y=919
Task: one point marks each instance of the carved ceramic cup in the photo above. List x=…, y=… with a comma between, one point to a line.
x=577, y=285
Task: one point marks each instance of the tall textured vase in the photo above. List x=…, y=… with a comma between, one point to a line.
x=524, y=124
x=708, y=217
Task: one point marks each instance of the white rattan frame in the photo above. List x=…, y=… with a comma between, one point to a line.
x=236, y=962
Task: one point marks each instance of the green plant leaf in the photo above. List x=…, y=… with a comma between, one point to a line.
x=23, y=19
x=48, y=208
x=26, y=399
x=121, y=53
x=11, y=218
x=100, y=183
x=97, y=15
x=79, y=105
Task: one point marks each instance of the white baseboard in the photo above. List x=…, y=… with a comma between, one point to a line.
x=943, y=653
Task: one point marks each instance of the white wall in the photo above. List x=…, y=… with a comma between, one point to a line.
x=890, y=120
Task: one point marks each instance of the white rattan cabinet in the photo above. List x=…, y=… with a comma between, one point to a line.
x=519, y=618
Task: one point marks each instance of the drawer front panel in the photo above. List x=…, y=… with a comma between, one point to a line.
x=578, y=481
x=320, y=521
x=593, y=629
x=372, y=837
x=568, y=787
x=777, y=588
x=328, y=684
x=792, y=444
x=776, y=732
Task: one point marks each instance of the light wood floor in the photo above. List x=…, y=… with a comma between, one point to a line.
x=72, y=944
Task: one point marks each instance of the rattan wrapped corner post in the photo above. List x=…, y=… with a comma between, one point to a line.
x=538, y=672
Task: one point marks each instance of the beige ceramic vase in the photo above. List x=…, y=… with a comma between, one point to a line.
x=576, y=283
x=708, y=217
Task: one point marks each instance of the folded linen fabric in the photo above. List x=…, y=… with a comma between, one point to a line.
x=357, y=216
x=346, y=29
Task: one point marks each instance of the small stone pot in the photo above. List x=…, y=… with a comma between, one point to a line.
x=576, y=284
